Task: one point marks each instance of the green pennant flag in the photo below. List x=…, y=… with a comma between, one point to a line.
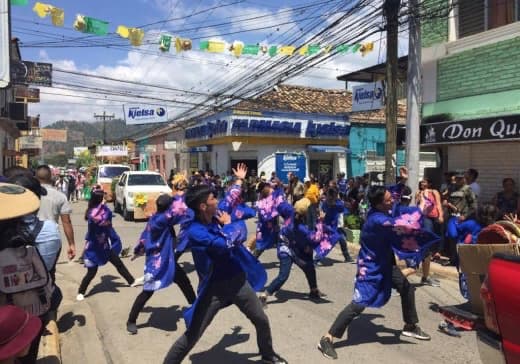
x=273, y=50
x=165, y=43
x=355, y=48
x=19, y=2
x=342, y=48
x=96, y=26
x=251, y=49
x=204, y=45
x=313, y=49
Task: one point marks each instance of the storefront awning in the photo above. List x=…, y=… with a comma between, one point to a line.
x=328, y=149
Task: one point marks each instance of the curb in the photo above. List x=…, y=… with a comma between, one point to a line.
x=445, y=272
x=49, y=350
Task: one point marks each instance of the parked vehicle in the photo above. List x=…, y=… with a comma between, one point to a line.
x=133, y=182
x=499, y=340
x=106, y=172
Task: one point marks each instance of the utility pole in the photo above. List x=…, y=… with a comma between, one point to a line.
x=391, y=12
x=104, y=117
x=414, y=95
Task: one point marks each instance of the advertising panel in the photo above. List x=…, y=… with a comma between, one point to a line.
x=144, y=114
x=54, y=135
x=291, y=162
x=111, y=151
x=367, y=97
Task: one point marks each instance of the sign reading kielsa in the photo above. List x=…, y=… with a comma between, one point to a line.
x=111, y=151
x=144, y=114
x=477, y=130
x=370, y=96
x=290, y=162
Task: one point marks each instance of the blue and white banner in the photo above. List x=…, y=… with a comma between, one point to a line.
x=290, y=162
x=144, y=114
x=370, y=96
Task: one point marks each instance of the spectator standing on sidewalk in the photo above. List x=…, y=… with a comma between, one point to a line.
x=471, y=176
x=55, y=206
x=507, y=201
x=312, y=192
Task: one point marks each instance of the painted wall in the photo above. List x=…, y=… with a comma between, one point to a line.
x=483, y=70
x=434, y=29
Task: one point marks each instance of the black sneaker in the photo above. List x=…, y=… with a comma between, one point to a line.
x=415, y=332
x=273, y=359
x=316, y=295
x=327, y=348
x=131, y=327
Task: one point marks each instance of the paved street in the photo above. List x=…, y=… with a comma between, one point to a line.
x=93, y=331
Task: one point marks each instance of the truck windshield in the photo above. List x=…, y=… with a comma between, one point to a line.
x=145, y=180
x=112, y=171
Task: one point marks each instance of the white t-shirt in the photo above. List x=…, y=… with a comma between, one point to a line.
x=53, y=205
x=475, y=187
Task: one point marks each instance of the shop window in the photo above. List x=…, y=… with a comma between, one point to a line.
x=380, y=149
x=476, y=16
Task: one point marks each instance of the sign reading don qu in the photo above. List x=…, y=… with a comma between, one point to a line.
x=478, y=130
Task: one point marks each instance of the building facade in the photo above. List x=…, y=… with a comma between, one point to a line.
x=471, y=89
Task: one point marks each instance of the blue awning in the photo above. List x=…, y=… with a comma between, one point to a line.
x=328, y=149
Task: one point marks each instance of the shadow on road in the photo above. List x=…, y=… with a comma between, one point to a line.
x=328, y=262
x=220, y=354
x=108, y=284
x=69, y=320
x=284, y=296
x=163, y=318
x=363, y=331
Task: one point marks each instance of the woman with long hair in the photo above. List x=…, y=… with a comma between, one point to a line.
x=102, y=244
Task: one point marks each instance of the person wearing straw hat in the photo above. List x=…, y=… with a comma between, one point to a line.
x=18, y=331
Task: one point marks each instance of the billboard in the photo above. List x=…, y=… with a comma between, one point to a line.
x=144, y=114
x=26, y=94
x=25, y=72
x=79, y=150
x=370, y=96
x=54, y=135
x=5, y=43
x=111, y=151
x=291, y=162
x=30, y=142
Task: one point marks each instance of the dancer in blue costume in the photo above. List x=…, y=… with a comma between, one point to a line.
x=377, y=272
x=333, y=207
x=102, y=244
x=214, y=237
x=271, y=199
x=161, y=267
x=297, y=244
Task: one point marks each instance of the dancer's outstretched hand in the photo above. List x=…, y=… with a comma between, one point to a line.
x=241, y=171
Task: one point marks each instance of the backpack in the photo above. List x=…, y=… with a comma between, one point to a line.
x=24, y=279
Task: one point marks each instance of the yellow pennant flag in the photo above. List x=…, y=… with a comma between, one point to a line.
x=216, y=46
x=366, y=48
x=79, y=23
x=136, y=36
x=236, y=48
x=182, y=44
x=287, y=50
x=57, y=17
x=304, y=50
x=123, y=31
x=42, y=9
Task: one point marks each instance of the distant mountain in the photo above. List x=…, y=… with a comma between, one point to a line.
x=82, y=134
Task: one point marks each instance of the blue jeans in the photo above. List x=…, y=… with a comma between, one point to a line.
x=286, y=263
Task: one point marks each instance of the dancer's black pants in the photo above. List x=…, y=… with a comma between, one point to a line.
x=352, y=310
x=91, y=273
x=181, y=278
x=216, y=296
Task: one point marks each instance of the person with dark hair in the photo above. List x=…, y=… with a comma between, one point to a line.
x=471, y=176
x=161, y=267
x=507, y=201
x=54, y=206
x=297, y=244
x=102, y=244
x=221, y=261
x=377, y=272
x=333, y=208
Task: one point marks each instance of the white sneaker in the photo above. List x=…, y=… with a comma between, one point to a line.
x=138, y=282
x=80, y=297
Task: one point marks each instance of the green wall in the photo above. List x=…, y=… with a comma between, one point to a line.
x=434, y=27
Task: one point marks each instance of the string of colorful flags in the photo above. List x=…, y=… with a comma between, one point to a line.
x=135, y=36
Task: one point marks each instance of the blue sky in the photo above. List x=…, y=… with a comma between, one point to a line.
x=195, y=71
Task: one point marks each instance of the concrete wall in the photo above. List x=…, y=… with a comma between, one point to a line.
x=434, y=27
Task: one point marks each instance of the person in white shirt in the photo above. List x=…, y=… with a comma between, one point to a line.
x=471, y=176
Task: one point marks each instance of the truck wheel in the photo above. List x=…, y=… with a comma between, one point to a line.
x=127, y=215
